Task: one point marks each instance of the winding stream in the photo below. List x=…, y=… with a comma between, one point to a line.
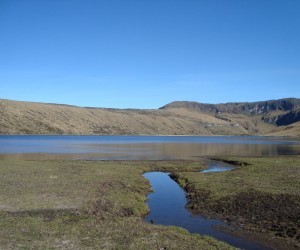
x=168, y=207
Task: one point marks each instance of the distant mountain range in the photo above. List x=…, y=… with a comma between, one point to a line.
x=275, y=117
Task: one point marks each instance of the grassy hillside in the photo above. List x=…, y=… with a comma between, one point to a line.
x=41, y=118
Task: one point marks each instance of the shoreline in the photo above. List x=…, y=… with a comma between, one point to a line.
x=159, y=135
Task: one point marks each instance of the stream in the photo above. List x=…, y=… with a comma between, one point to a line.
x=168, y=207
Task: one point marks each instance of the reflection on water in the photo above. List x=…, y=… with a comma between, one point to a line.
x=167, y=207
x=141, y=147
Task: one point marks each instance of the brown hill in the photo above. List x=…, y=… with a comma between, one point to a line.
x=177, y=118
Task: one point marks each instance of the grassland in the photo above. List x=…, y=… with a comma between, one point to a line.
x=85, y=205
x=261, y=198
x=100, y=205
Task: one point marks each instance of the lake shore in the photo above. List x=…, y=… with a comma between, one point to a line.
x=101, y=204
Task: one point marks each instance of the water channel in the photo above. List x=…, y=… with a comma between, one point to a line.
x=168, y=201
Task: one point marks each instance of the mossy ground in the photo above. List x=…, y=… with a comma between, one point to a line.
x=85, y=205
x=100, y=205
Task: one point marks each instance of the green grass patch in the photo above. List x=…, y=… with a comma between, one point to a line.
x=86, y=205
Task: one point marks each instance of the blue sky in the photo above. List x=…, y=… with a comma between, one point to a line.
x=145, y=54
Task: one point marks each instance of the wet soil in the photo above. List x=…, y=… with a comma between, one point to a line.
x=271, y=217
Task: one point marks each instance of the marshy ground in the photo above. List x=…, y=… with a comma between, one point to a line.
x=101, y=204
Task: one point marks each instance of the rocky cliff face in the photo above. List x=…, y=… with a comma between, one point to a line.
x=289, y=109
x=254, y=108
x=288, y=118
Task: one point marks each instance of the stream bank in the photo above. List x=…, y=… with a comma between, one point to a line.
x=168, y=207
x=259, y=200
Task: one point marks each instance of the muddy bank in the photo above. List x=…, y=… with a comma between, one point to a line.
x=269, y=217
x=168, y=207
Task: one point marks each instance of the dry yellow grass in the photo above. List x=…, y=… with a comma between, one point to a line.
x=290, y=130
x=41, y=118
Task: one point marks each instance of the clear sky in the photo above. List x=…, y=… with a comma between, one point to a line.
x=147, y=53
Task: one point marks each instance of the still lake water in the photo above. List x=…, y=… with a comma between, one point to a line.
x=142, y=147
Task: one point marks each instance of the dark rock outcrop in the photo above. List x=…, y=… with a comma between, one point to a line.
x=288, y=118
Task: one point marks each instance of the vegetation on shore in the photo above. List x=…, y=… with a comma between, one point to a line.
x=85, y=205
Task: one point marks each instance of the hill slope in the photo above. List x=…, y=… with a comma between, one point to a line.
x=177, y=118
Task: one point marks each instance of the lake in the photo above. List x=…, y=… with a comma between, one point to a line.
x=42, y=147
